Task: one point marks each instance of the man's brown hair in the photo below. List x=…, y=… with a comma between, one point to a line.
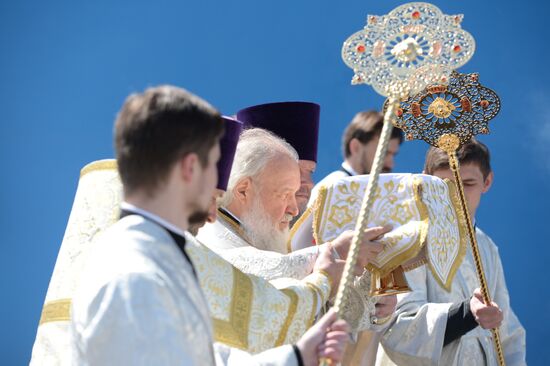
x=156, y=128
x=473, y=151
x=364, y=127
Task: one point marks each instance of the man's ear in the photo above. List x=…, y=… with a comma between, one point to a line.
x=188, y=166
x=488, y=182
x=242, y=190
x=354, y=146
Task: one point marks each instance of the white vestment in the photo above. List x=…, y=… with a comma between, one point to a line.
x=139, y=303
x=226, y=238
x=416, y=337
x=345, y=171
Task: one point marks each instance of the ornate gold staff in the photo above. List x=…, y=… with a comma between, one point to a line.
x=415, y=45
x=447, y=116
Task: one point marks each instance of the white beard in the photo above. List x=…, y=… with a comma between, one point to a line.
x=261, y=232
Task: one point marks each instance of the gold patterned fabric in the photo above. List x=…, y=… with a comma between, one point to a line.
x=227, y=240
x=250, y=313
x=422, y=210
x=95, y=208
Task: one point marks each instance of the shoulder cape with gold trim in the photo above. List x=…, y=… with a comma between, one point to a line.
x=422, y=209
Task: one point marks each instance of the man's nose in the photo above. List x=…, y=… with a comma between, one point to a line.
x=292, y=206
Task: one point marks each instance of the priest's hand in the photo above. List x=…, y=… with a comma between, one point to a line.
x=368, y=249
x=488, y=316
x=385, y=306
x=327, y=263
x=325, y=339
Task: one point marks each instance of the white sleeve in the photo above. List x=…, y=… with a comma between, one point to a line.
x=417, y=333
x=280, y=356
x=271, y=265
x=136, y=320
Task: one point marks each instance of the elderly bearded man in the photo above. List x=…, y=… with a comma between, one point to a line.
x=252, y=228
x=298, y=124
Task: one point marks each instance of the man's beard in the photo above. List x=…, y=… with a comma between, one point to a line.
x=196, y=220
x=262, y=232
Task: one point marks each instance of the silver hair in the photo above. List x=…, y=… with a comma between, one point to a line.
x=256, y=148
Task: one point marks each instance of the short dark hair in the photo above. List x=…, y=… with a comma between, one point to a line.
x=473, y=151
x=364, y=127
x=156, y=128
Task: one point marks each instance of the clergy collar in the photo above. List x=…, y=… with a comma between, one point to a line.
x=348, y=169
x=151, y=216
x=225, y=213
x=233, y=221
x=175, y=232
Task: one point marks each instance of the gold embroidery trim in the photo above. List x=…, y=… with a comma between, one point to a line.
x=417, y=246
x=295, y=227
x=453, y=195
x=319, y=208
x=107, y=164
x=314, y=307
x=291, y=312
x=56, y=311
x=325, y=273
x=235, y=331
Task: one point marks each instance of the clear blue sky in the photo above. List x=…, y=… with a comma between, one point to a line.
x=66, y=67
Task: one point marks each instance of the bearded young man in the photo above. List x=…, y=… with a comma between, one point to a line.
x=139, y=301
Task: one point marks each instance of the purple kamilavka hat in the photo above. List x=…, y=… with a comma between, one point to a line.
x=296, y=122
x=228, y=145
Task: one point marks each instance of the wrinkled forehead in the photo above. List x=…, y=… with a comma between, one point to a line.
x=281, y=172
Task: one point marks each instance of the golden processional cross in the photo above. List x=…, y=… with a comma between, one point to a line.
x=447, y=117
x=399, y=55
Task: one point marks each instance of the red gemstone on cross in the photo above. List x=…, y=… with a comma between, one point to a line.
x=415, y=14
x=361, y=48
x=457, y=48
